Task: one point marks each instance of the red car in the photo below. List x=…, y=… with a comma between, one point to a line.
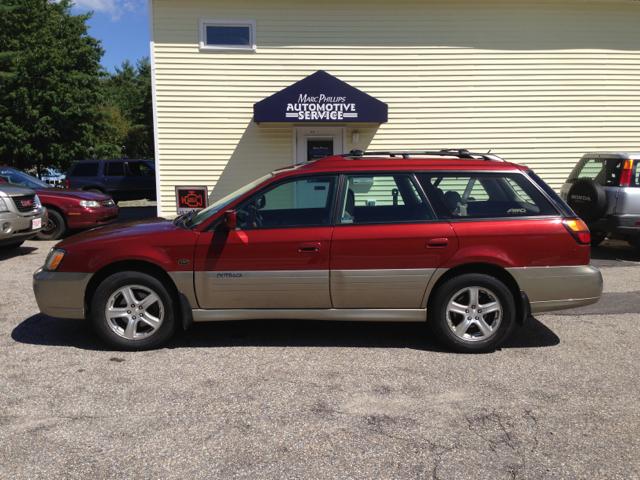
x=472, y=245
x=68, y=209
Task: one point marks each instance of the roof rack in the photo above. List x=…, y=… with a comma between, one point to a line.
x=447, y=152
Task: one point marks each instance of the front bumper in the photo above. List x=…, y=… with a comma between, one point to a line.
x=91, y=217
x=16, y=228
x=559, y=288
x=61, y=294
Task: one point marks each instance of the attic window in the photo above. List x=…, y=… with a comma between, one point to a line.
x=228, y=35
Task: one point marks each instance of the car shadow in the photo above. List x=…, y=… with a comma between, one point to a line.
x=41, y=329
x=612, y=252
x=16, y=252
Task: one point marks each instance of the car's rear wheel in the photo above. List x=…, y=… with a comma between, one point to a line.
x=133, y=311
x=472, y=313
x=54, y=228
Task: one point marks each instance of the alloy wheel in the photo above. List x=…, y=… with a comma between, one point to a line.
x=134, y=312
x=474, y=313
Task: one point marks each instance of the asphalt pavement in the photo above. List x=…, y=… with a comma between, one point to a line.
x=286, y=399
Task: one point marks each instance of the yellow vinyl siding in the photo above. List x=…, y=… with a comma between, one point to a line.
x=537, y=82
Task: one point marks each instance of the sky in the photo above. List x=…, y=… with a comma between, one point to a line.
x=121, y=25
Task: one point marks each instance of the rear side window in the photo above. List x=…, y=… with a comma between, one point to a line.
x=605, y=171
x=114, y=169
x=484, y=195
x=85, y=169
x=383, y=199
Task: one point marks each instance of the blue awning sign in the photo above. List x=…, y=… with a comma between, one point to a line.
x=320, y=97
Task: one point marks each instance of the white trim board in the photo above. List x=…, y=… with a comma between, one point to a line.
x=154, y=99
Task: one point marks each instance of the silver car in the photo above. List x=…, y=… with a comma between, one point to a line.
x=21, y=215
x=604, y=191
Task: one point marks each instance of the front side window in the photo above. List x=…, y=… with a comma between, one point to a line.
x=484, y=195
x=228, y=35
x=303, y=202
x=141, y=169
x=393, y=198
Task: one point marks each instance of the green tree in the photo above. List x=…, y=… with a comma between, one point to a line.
x=128, y=118
x=49, y=84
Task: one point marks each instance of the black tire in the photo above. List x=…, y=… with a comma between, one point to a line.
x=55, y=227
x=444, y=322
x=114, y=330
x=597, y=237
x=588, y=199
x=11, y=246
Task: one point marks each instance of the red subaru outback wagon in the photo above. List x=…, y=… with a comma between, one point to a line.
x=466, y=242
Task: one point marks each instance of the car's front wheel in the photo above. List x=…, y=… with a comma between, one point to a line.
x=54, y=228
x=133, y=311
x=472, y=313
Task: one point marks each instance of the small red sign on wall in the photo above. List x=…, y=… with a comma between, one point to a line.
x=191, y=198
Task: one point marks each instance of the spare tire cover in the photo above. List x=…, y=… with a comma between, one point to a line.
x=588, y=199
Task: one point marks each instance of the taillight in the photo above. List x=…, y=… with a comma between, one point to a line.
x=625, y=178
x=66, y=182
x=578, y=230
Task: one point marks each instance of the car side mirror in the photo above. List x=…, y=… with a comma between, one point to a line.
x=229, y=220
x=261, y=202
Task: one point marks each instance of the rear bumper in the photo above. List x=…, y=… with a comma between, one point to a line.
x=618, y=223
x=559, y=288
x=91, y=217
x=19, y=228
x=60, y=294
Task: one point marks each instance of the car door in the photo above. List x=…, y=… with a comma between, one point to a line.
x=114, y=178
x=386, y=244
x=278, y=256
x=141, y=179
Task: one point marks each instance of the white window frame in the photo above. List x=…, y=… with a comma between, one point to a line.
x=207, y=22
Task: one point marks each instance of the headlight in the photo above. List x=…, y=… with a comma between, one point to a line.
x=37, y=199
x=89, y=203
x=54, y=259
x=3, y=206
x=108, y=203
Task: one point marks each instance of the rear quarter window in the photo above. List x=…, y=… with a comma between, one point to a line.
x=484, y=195
x=85, y=169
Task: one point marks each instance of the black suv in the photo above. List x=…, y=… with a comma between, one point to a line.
x=123, y=179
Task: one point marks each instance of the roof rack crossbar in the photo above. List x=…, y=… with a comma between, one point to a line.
x=445, y=152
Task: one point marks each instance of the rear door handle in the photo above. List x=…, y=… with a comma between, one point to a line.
x=437, y=243
x=309, y=247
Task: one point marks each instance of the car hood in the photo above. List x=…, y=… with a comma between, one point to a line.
x=70, y=192
x=122, y=231
x=15, y=191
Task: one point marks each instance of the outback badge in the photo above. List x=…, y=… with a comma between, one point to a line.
x=229, y=275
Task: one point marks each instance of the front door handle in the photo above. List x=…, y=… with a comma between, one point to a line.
x=309, y=247
x=437, y=243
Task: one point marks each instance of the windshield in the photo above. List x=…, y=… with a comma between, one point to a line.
x=16, y=177
x=223, y=202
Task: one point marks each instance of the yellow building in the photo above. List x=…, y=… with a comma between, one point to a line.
x=536, y=82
